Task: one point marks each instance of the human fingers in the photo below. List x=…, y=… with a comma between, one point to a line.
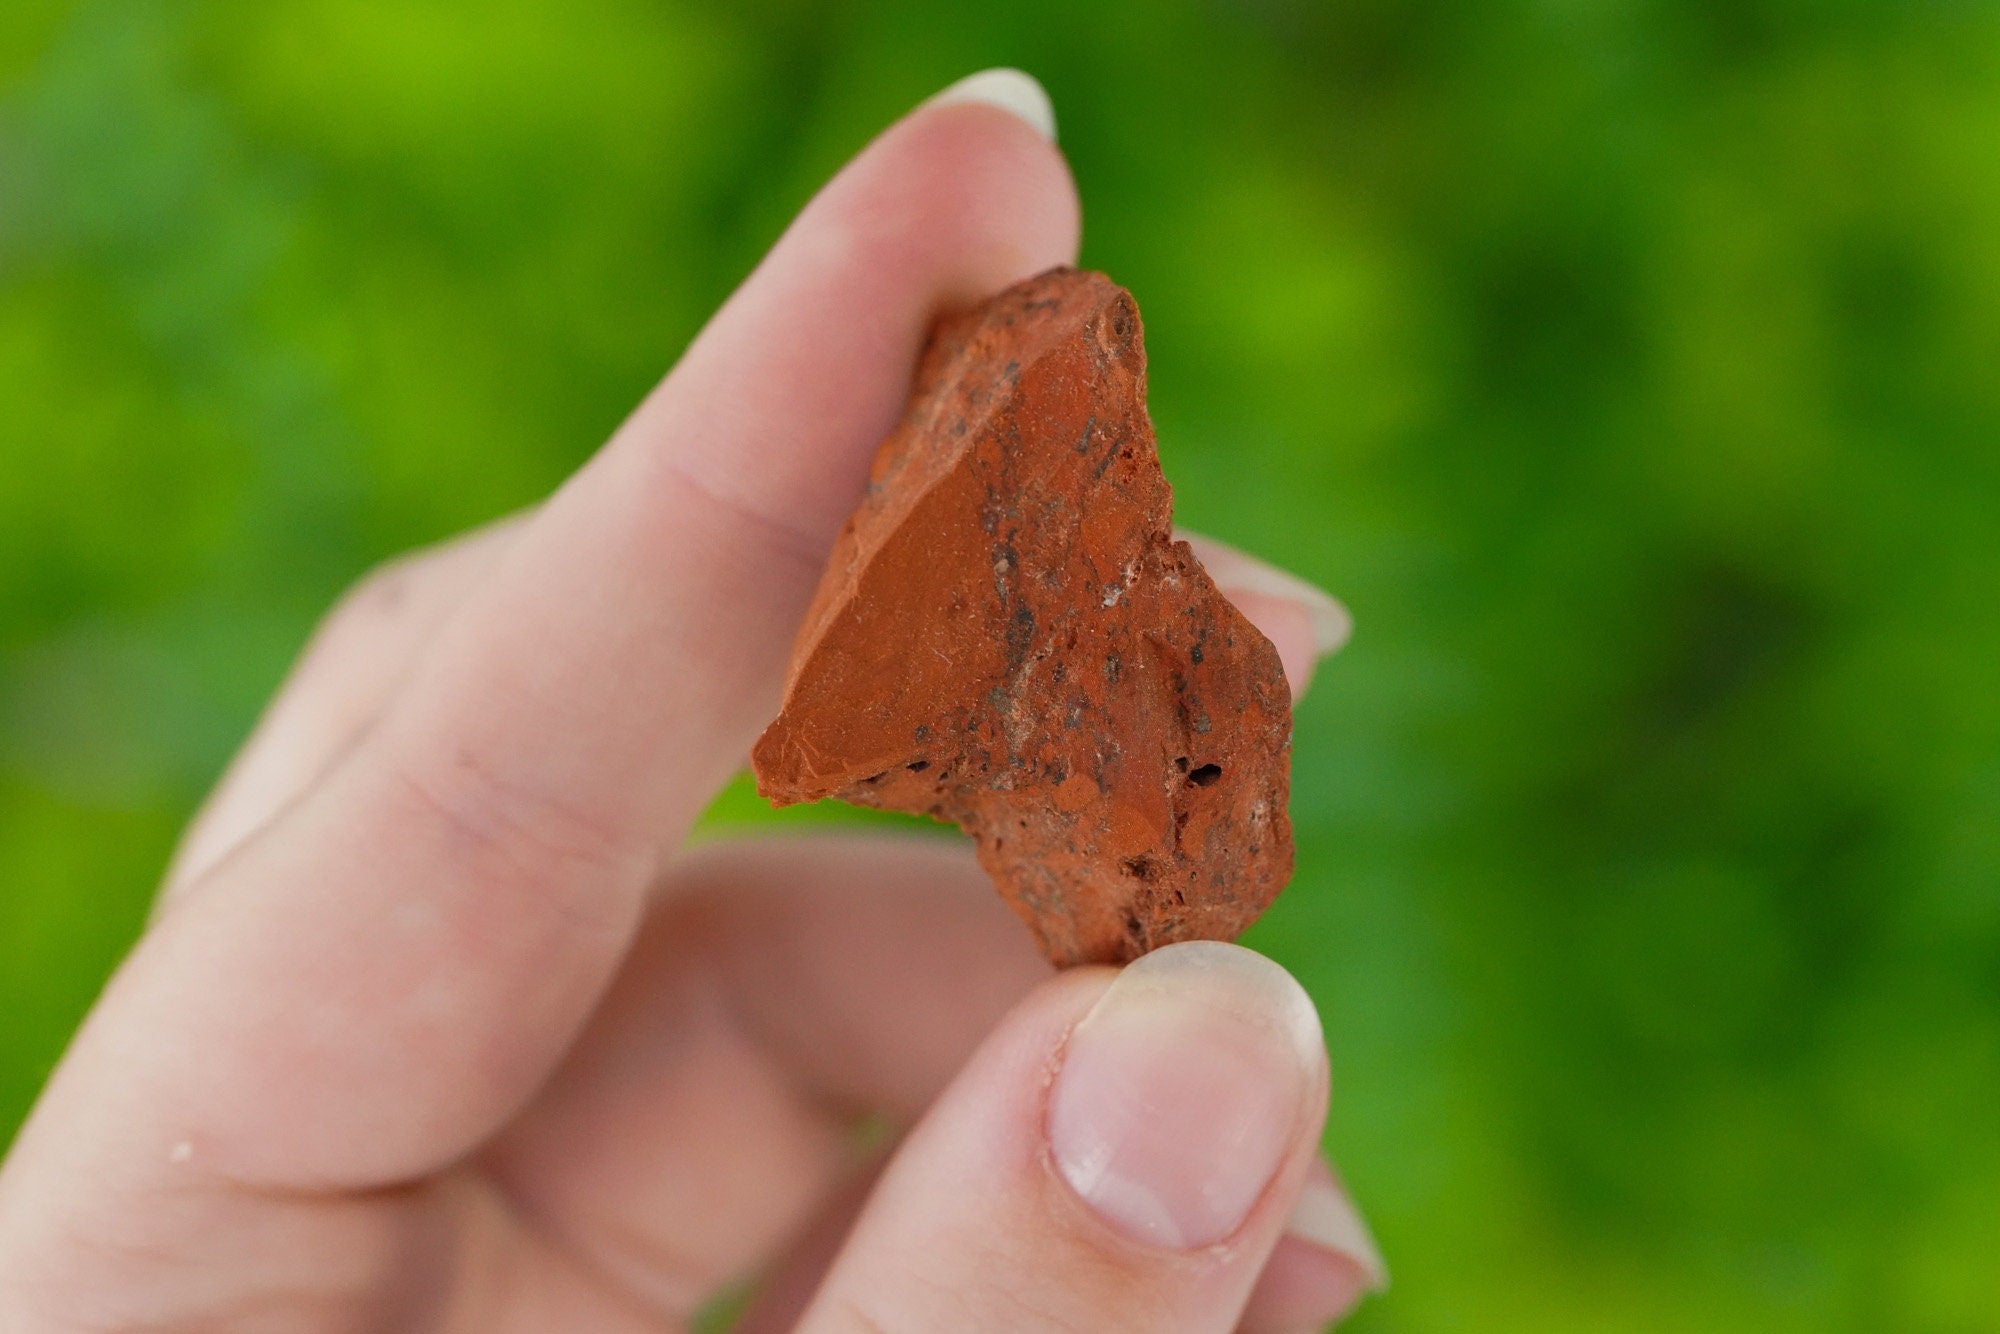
x=1122, y=1153
x=369, y=987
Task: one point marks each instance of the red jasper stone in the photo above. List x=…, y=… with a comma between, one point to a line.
x=1008, y=636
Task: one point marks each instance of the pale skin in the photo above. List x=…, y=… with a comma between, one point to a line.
x=440, y=1025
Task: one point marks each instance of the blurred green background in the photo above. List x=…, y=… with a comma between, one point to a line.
x=1629, y=366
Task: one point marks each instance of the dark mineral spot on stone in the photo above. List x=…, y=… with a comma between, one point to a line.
x=1009, y=637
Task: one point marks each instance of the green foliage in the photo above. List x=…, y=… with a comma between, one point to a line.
x=1627, y=365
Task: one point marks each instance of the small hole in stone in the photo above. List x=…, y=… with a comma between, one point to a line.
x=918, y=766
x=1181, y=762
x=1205, y=775
x=1140, y=868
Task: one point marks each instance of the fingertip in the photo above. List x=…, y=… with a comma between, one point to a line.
x=1014, y=91
x=1185, y=1090
x=978, y=182
x=955, y=201
x=1289, y=628
x=1326, y=1217
x=1324, y=1265
x=1124, y=1151
x=1303, y=1288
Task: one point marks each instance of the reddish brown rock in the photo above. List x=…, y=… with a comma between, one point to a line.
x=1008, y=636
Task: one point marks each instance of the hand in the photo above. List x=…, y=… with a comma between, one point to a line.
x=435, y=1027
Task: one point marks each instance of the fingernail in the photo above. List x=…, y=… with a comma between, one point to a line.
x=1325, y=1216
x=1183, y=1090
x=1235, y=572
x=1012, y=91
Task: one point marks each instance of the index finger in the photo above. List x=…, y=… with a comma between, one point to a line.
x=366, y=989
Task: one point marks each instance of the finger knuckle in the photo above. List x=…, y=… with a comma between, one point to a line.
x=516, y=832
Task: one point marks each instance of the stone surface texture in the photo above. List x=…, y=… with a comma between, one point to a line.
x=1008, y=636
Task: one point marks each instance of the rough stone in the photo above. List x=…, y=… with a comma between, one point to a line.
x=1008, y=636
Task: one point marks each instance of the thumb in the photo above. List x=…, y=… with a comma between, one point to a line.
x=1122, y=1153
